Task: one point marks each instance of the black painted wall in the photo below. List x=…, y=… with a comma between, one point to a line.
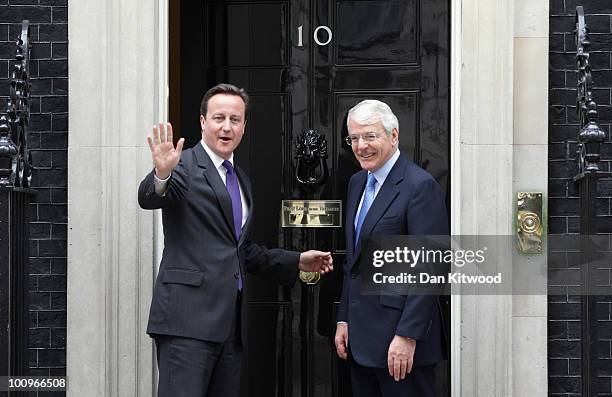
x=48, y=139
x=564, y=349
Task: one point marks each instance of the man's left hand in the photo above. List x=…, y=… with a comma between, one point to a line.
x=400, y=356
x=316, y=261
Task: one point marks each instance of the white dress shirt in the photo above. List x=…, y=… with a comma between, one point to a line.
x=380, y=175
x=161, y=184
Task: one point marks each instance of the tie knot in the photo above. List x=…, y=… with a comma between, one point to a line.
x=228, y=166
x=371, y=181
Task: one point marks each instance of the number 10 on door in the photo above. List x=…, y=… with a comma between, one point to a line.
x=316, y=35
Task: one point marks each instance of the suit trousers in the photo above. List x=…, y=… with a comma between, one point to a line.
x=376, y=382
x=197, y=368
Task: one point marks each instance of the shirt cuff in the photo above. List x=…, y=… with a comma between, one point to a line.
x=160, y=185
x=341, y=322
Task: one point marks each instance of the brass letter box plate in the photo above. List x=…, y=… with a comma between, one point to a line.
x=311, y=213
x=529, y=222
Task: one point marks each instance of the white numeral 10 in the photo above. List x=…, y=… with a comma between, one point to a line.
x=315, y=35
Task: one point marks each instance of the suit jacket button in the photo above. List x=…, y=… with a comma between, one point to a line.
x=353, y=275
x=236, y=275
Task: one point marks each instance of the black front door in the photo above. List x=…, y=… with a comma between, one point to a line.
x=305, y=63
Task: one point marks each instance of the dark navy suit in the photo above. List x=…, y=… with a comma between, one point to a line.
x=196, y=303
x=410, y=202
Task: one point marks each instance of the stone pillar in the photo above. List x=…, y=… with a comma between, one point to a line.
x=498, y=136
x=530, y=173
x=482, y=327
x=117, y=83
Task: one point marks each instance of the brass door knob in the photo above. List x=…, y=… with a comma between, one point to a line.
x=310, y=278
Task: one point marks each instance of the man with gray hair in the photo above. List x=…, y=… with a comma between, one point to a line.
x=392, y=342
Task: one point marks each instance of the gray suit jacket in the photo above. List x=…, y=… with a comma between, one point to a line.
x=196, y=288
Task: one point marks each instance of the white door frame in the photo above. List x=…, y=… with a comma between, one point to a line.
x=455, y=163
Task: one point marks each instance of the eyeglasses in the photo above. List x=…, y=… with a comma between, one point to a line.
x=353, y=139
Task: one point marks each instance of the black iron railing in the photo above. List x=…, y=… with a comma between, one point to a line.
x=15, y=169
x=15, y=196
x=14, y=269
x=590, y=139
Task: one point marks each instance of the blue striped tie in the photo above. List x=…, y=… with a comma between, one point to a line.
x=368, y=197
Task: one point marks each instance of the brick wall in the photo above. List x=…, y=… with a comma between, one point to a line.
x=48, y=140
x=564, y=333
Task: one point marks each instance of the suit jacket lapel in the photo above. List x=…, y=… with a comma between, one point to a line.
x=214, y=180
x=354, y=195
x=387, y=193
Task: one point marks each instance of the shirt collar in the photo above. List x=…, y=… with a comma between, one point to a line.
x=382, y=173
x=216, y=159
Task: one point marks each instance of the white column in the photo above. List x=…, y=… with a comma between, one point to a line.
x=482, y=193
x=117, y=86
x=499, y=146
x=530, y=174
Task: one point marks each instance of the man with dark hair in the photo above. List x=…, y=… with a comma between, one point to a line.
x=393, y=342
x=223, y=88
x=198, y=314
